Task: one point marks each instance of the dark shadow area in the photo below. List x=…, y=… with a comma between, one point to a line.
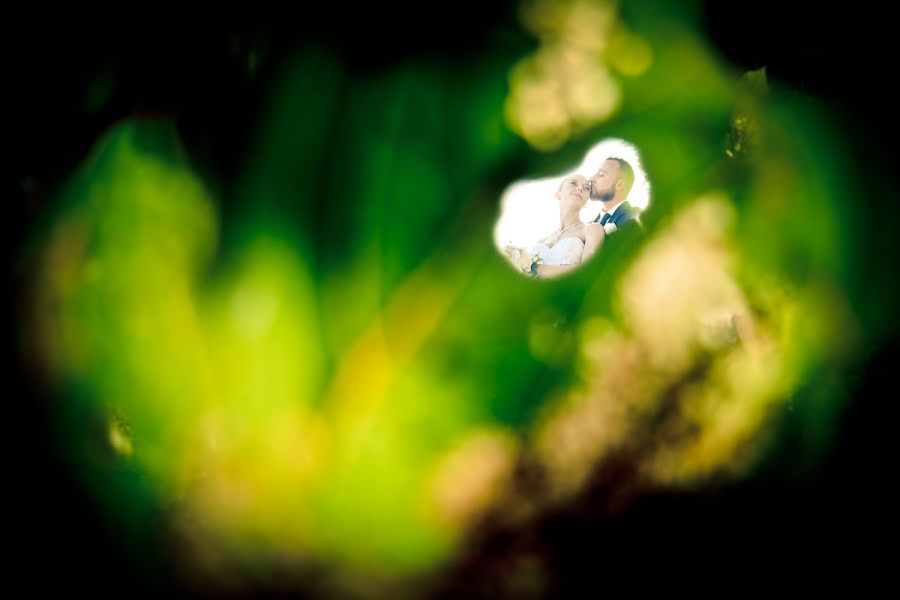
x=812, y=531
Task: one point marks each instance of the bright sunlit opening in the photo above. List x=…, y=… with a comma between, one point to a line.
x=529, y=210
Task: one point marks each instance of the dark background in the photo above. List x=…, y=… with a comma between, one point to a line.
x=71, y=78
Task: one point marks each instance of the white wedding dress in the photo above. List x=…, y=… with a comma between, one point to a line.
x=566, y=251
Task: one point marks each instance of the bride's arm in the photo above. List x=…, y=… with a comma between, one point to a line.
x=553, y=270
x=594, y=234
x=593, y=237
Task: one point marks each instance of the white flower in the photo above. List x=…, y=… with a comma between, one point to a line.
x=610, y=228
x=522, y=258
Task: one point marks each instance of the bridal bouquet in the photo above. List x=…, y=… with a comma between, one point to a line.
x=522, y=257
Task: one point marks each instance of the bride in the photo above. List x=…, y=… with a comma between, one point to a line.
x=574, y=242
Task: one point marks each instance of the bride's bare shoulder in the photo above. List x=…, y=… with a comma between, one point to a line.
x=585, y=229
x=592, y=231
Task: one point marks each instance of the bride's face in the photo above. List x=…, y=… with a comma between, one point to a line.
x=574, y=189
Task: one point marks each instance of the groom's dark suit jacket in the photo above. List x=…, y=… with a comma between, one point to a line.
x=625, y=216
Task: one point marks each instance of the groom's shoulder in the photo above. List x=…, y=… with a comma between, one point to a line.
x=627, y=214
x=630, y=210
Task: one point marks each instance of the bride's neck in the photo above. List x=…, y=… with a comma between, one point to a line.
x=567, y=218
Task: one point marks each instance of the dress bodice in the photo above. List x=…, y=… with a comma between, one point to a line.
x=566, y=251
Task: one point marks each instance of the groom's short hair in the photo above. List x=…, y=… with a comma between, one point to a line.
x=626, y=173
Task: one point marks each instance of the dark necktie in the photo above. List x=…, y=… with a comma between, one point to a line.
x=605, y=218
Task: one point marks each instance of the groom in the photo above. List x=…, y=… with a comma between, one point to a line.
x=610, y=185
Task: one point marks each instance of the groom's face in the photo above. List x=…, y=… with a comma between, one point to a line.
x=603, y=183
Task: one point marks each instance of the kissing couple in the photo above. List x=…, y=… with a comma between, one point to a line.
x=575, y=241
